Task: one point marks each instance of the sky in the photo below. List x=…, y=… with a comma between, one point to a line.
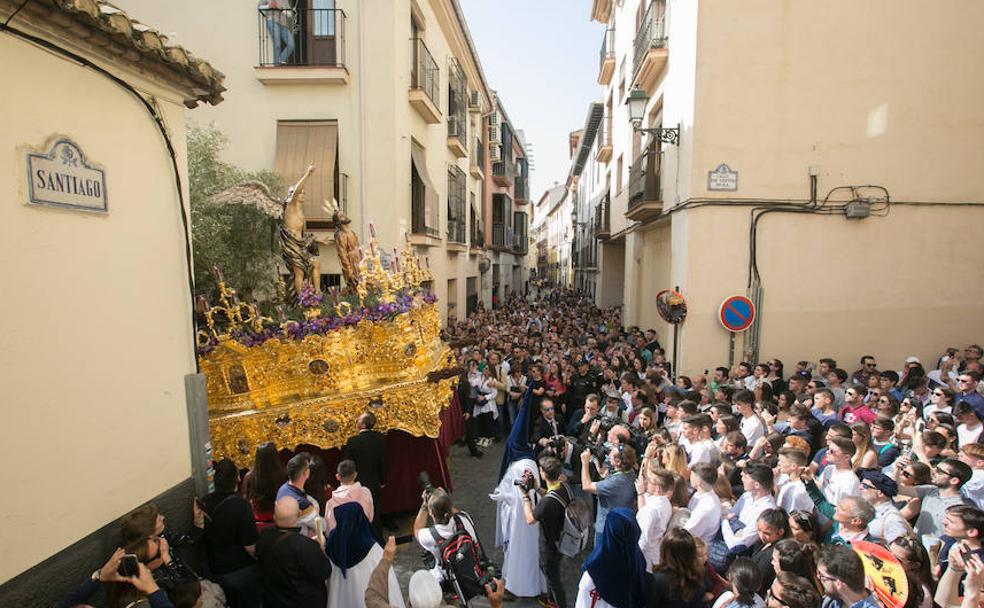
x=541, y=56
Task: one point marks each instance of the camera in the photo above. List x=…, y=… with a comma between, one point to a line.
x=526, y=482
x=556, y=446
x=425, y=482
x=489, y=577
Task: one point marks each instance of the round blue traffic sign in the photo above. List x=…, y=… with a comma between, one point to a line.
x=736, y=313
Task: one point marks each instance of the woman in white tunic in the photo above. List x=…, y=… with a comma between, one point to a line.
x=354, y=554
x=520, y=541
x=615, y=572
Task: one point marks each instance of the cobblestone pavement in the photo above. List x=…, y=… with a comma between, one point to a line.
x=473, y=480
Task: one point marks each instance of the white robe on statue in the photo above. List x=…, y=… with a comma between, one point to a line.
x=520, y=541
x=349, y=591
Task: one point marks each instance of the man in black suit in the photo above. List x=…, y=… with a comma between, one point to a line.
x=368, y=451
x=547, y=425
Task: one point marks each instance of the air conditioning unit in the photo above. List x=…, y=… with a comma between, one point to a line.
x=495, y=153
x=474, y=101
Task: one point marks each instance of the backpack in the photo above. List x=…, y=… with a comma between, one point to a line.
x=462, y=558
x=577, y=524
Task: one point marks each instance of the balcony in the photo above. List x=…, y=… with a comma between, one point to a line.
x=477, y=164
x=650, y=53
x=301, y=46
x=601, y=10
x=645, y=195
x=521, y=187
x=457, y=110
x=607, y=63
x=604, y=153
x=499, y=236
x=476, y=235
x=520, y=237
x=425, y=83
x=504, y=173
x=602, y=219
x=457, y=136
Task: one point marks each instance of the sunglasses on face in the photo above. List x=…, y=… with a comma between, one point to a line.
x=907, y=473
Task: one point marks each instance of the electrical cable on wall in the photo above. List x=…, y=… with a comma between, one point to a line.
x=161, y=127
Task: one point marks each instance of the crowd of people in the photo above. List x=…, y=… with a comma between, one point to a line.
x=743, y=487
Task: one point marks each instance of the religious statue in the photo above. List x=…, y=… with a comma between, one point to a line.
x=299, y=250
x=347, y=246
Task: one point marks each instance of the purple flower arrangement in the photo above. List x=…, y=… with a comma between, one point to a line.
x=308, y=298
x=298, y=330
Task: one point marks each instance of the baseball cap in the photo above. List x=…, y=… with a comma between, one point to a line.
x=885, y=484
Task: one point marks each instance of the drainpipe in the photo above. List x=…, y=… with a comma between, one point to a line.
x=363, y=220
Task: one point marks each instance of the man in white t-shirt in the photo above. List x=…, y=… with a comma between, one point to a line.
x=757, y=479
x=654, y=488
x=972, y=454
x=969, y=427
x=838, y=478
x=752, y=426
x=792, y=495
x=699, y=445
x=439, y=507
x=705, y=506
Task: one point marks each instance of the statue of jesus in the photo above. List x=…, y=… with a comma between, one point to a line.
x=299, y=249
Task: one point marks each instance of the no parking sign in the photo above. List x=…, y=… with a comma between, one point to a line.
x=736, y=313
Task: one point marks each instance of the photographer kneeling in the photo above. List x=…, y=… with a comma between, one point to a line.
x=452, y=535
x=550, y=512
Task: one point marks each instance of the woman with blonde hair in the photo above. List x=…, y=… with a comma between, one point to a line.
x=674, y=458
x=865, y=457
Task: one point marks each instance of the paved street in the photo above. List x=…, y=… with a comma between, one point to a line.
x=473, y=480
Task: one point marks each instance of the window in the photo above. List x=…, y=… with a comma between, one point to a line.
x=457, y=189
x=423, y=195
x=452, y=300
x=621, y=81
x=300, y=143
x=618, y=176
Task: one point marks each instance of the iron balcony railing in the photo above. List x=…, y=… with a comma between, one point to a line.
x=652, y=32
x=425, y=74
x=476, y=234
x=607, y=47
x=521, y=188
x=605, y=132
x=504, y=168
x=498, y=235
x=602, y=219
x=644, y=178
x=314, y=36
x=456, y=231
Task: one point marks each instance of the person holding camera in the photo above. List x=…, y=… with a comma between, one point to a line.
x=549, y=513
x=616, y=488
x=141, y=583
x=448, y=520
x=515, y=533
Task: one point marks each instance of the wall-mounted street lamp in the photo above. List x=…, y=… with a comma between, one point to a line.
x=637, y=102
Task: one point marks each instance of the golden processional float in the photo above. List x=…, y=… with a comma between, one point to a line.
x=376, y=347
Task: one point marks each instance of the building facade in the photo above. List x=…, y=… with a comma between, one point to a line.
x=98, y=333
x=390, y=102
x=795, y=165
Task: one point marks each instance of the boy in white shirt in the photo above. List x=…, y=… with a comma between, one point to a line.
x=705, y=506
x=654, y=486
x=791, y=494
x=699, y=445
